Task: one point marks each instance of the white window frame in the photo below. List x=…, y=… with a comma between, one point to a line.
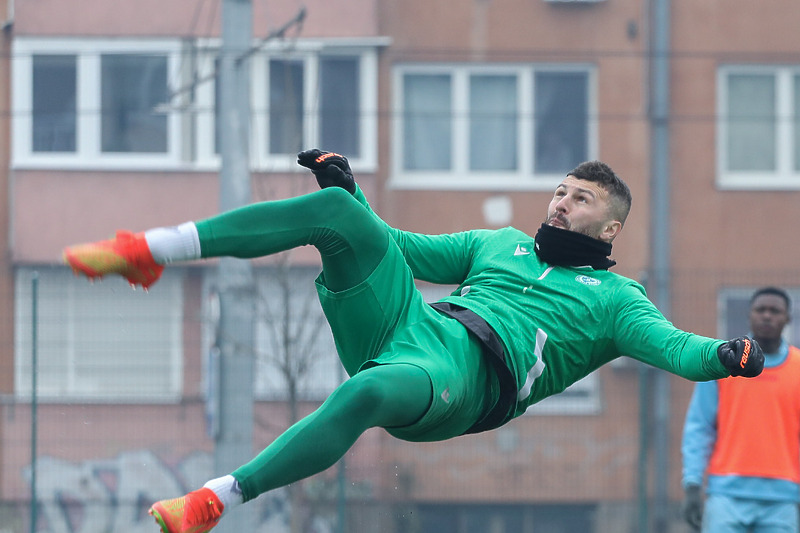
x=204, y=104
x=59, y=322
x=784, y=177
x=309, y=52
x=88, y=153
x=460, y=177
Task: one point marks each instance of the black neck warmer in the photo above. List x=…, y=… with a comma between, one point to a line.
x=561, y=247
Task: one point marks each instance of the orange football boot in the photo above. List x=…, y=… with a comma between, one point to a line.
x=197, y=512
x=127, y=254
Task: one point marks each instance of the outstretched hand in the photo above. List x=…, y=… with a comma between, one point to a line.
x=330, y=169
x=742, y=356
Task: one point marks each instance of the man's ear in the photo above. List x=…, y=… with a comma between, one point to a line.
x=610, y=230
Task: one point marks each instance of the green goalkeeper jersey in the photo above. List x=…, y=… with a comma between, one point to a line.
x=558, y=324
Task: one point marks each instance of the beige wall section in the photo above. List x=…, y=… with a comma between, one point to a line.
x=513, y=25
x=735, y=26
x=175, y=18
x=711, y=224
x=55, y=209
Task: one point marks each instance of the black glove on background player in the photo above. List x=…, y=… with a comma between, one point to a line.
x=692, y=506
x=742, y=356
x=330, y=169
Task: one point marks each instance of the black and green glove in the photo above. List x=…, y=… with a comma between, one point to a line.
x=742, y=356
x=330, y=169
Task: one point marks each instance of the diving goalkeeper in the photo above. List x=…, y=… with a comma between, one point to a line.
x=530, y=316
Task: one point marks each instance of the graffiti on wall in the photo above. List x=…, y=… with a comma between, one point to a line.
x=113, y=495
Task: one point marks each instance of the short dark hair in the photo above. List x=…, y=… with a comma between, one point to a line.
x=618, y=190
x=774, y=291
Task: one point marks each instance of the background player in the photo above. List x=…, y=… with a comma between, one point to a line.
x=749, y=450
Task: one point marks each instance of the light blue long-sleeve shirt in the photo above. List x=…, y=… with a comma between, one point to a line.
x=700, y=435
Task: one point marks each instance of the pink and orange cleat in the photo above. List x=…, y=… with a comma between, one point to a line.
x=127, y=254
x=197, y=512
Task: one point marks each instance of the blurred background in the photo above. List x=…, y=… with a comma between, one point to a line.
x=455, y=114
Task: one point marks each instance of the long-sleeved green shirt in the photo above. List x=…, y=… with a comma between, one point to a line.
x=558, y=324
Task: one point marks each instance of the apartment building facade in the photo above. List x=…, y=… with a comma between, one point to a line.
x=456, y=115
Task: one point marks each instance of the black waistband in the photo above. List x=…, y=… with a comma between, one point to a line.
x=493, y=350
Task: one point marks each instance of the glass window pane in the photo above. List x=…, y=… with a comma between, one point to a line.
x=54, y=103
x=102, y=341
x=751, y=122
x=561, y=118
x=132, y=86
x=493, y=122
x=339, y=105
x=427, y=122
x=285, y=106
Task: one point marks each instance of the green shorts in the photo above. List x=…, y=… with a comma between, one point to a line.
x=384, y=320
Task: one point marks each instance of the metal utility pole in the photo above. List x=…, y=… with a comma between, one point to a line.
x=234, y=438
x=34, y=395
x=660, y=241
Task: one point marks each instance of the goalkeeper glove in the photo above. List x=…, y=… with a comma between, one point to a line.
x=692, y=506
x=330, y=169
x=742, y=356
